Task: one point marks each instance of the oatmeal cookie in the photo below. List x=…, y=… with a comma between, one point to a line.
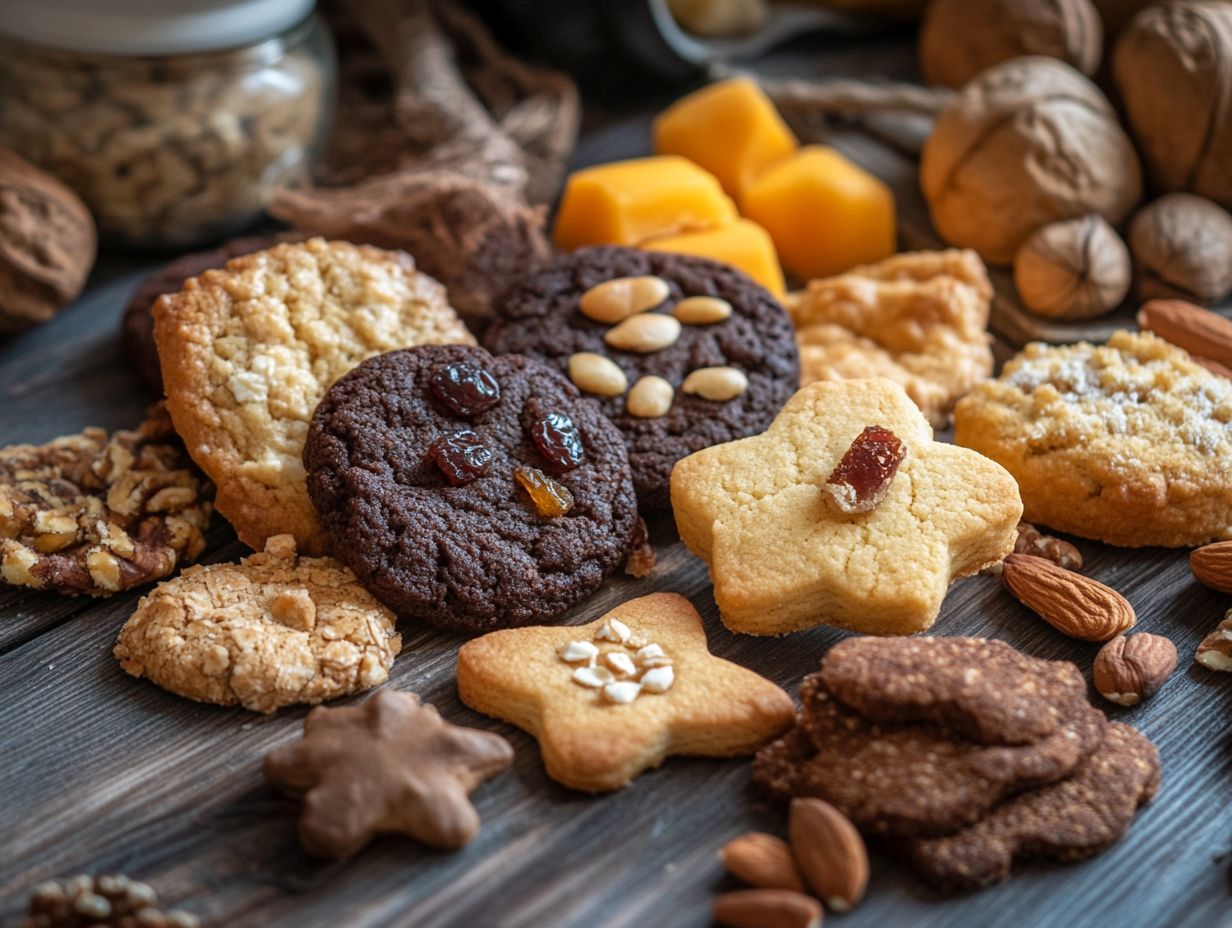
x=273, y=630
x=96, y=514
x=248, y=351
x=919, y=319
x=1129, y=443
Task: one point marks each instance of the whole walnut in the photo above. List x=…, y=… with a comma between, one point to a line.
x=1173, y=68
x=1076, y=269
x=47, y=244
x=1028, y=142
x=1182, y=249
x=961, y=38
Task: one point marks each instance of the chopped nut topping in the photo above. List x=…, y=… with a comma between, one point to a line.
x=593, y=677
x=577, y=651
x=622, y=693
x=613, y=630
x=658, y=679
x=1215, y=650
x=862, y=478
x=648, y=669
x=621, y=663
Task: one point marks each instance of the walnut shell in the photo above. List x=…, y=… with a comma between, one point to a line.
x=1173, y=68
x=1076, y=269
x=47, y=244
x=1182, y=248
x=1028, y=142
x=961, y=38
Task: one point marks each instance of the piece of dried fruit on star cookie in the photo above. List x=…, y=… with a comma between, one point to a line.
x=97, y=514
x=273, y=630
x=1128, y=443
x=248, y=350
x=616, y=697
x=782, y=558
x=387, y=765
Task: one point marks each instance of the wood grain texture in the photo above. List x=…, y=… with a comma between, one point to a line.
x=101, y=772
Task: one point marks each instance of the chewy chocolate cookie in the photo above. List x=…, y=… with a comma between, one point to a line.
x=469, y=491
x=681, y=352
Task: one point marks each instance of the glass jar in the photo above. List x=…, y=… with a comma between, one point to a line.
x=174, y=127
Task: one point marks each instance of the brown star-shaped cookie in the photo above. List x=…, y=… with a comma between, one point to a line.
x=783, y=559
x=389, y=764
x=616, y=697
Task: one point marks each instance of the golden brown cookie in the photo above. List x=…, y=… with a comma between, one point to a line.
x=616, y=697
x=97, y=514
x=1129, y=443
x=783, y=558
x=273, y=630
x=919, y=319
x=247, y=352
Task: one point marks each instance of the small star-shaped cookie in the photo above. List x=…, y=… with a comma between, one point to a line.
x=386, y=765
x=783, y=558
x=616, y=697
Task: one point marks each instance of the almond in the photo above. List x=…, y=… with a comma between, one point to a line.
x=1199, y=331
x=829, y=852
x=1129, y=669
x=1075, y=605
x=1212, y=565
x=761, y=860
x=767, y=908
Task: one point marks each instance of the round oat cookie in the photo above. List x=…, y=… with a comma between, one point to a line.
x=1129, y=443
x=424, y=503
x=97, y=514
x=273, y=630
x=542, y=318
x=248, y=351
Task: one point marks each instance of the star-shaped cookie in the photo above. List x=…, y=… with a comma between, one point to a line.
x=783, y=559
x=616, y=697
x=389, y=764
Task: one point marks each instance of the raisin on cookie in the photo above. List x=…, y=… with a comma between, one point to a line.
x=247, y=352
x=470, y=491
x=702, y=353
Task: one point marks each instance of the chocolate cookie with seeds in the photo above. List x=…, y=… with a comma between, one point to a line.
x=96, y=514
x=470, y=491
x=681, y=352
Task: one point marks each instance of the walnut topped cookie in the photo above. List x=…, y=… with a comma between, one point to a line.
x=919, y=319
x=247, y=352
x=97, y=514
x=845, y=512
x=680, y=352
x=1129, y=443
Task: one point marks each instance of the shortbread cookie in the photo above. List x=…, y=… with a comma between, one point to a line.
x=704, y=371
x=273, y=630
x=1071, y=820
x=782, y=558
x=388, y=765
x=248, y=351
x=468, y=491
x=1129, y=443
x=616, y=697
x=919, y=319
x=97, y=514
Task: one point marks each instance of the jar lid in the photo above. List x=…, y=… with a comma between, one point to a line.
x=149, y=27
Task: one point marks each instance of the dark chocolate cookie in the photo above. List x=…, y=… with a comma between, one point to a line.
x=440, y=474
x=543, y=317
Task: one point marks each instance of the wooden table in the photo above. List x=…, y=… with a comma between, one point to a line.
x=100, y=772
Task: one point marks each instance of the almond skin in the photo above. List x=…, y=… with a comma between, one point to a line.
x=1199, y=331
x=829, y=852
x=761, y=860
x=1071, y=603
x=1212, y=565
x=767, y=908
x=1130, y=669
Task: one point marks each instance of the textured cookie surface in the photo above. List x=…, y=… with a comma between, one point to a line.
x=782, y=559
x=97, y=514
x=541, y=318
x=1129, y=443
x=919, y=319
x=476, y=556
x=271, y=631
x=248, y=351
x=616, y=697
x=1076, y=818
